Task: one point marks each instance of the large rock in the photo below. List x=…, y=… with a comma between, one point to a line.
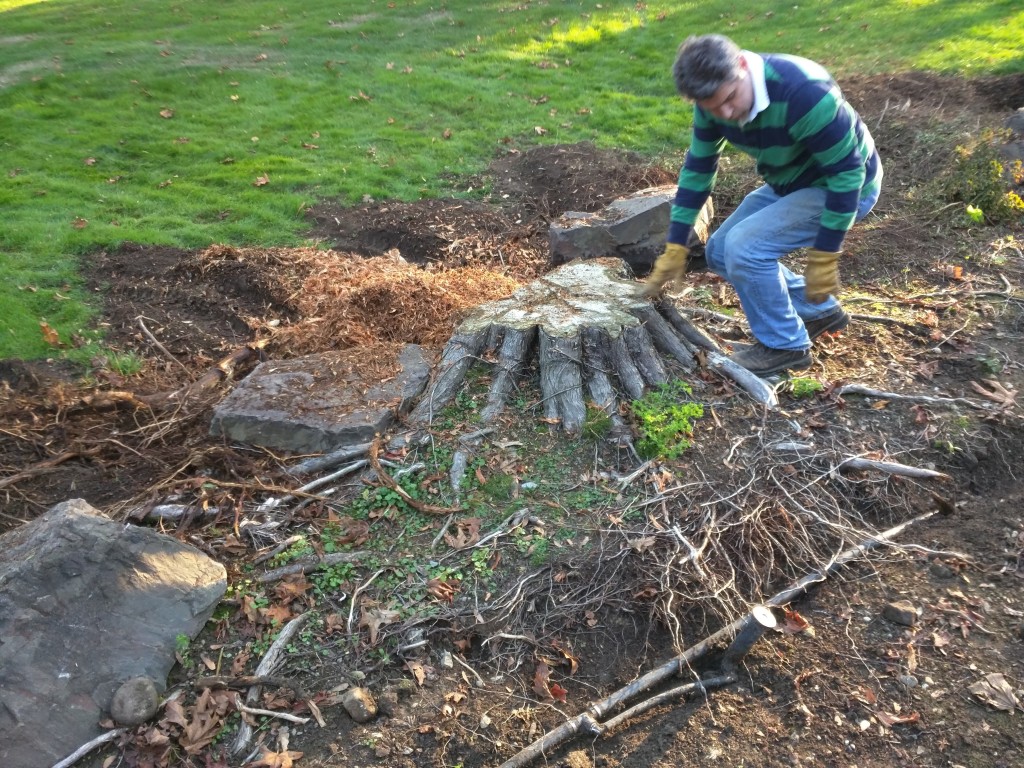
x=318, y=403
x=633, y=228
x=87, y=604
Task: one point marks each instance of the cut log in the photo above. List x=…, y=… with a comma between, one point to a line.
x=590, y=331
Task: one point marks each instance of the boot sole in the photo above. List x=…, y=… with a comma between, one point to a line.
x=837, y=324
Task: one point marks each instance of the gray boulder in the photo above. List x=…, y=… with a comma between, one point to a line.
x=632, y=228
x=87, y=604
x=314, y=404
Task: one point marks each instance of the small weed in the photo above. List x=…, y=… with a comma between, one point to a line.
x=597, y=423
x=123, y=364
x=333, y=578
x=991, y=365
x=183, y=651
x=296, y=551
x=804, y=386
x=664, y=417
x=497, y=487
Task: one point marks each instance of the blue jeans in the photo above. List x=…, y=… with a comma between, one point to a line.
x=747, y=248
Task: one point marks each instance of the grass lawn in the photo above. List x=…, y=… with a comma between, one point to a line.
x=190, y=123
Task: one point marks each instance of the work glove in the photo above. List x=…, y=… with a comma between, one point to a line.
x=671, y=265
x=821, y=277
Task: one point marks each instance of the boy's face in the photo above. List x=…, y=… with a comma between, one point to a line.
x=733, y=100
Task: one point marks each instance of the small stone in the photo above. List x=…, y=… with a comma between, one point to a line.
x=359, y=704
x=357, y=676
x=135, y=702
x=901, y=612
x=387, y=704
x=406, y=687
x=941, y=571
x=447, y=661
x=907, y=681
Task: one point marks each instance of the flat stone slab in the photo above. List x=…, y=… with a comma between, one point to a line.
x=86, y=604
x=323, y=402
x=632, y=228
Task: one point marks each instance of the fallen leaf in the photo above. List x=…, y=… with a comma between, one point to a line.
x=558, y=693
x=795, y=624
x=540, y=681
x=374, y=618
x=261, y=181
x=276, y=759
x=50, y=336
x=889, y=720
x=996, y=692
x=80, y=223
x=166, y=114
x=442, y=589
x=417, y=670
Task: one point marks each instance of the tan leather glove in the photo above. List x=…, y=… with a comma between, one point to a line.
x=821, y=275
x=671, y=265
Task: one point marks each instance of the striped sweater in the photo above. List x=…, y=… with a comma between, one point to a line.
x=808, y=136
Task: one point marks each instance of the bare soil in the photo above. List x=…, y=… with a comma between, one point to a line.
x=937, y=314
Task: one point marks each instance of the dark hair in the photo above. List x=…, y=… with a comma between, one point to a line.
x=705, y=63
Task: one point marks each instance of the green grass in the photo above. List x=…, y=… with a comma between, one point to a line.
x=348, y=99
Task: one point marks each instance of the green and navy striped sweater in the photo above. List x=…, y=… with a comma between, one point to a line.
x=808, y=136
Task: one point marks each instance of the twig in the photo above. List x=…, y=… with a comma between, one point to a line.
x=331, y=558
x=268, y=712
x=858, y=389
x=479, y=680
x=355, y=595
x=48, y=465
x=273, y=503
x=893, y=468
x=266, y=667
x=158, y=345
x=388, y=481
x=89, y=746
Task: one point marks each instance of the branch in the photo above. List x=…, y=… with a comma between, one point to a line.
x=266, y=667
x=88, y=747
x=590, y=720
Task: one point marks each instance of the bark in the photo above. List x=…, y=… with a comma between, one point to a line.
x=459, y=354
x=561, y=381
x=515, y=349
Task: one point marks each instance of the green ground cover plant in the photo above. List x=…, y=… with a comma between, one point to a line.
x=191, y=124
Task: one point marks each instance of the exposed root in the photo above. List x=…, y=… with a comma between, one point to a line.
x=593, y=335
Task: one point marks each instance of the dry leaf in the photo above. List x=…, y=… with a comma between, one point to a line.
x=417, y=670
x=540, y=681
x=166, y=114
x=374, y=618
x=50, y=336
x=442, y=589
x=261, y=181
x=889, y=720
x=996, y=692
x=276, y=759
x=795, y=624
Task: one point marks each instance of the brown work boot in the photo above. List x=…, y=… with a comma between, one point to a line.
x=830, y=323
x=764, y=361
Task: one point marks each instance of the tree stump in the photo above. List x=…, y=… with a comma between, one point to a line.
x=592, y=335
